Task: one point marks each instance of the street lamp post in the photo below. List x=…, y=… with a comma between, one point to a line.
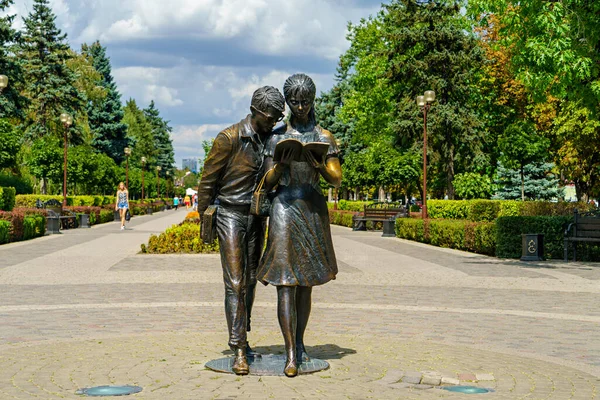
x=127, y=154
x=143, y=167
x=425, y=103
x=167, y=183
x=66, y=120
x=3, y=82
x=158, y=168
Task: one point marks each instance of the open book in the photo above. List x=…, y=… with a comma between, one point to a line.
x=318, y=149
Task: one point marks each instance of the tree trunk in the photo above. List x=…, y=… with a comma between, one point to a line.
x=522, y=183
x=43, y=186
x=450, y=176
x=381, y=193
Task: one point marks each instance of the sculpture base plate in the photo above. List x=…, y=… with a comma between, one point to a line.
x=268, y=365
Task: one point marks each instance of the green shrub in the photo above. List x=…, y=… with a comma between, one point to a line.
x=510, y=208
x=411, y=229
x=510, y=229
x=22, y=185
x=414, y=208
x=34, y=226
x=183, y=238
x=7, y=198
x=343, y=218
x=106, y=216
x=483, y=210
x=478, y=237
x=356, y=206
x=448, y=209
x=4, y=231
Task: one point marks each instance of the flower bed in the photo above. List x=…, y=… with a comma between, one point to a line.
x=181, y=238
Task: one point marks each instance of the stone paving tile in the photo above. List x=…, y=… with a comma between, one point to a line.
x=467, y=298
x=170, y=366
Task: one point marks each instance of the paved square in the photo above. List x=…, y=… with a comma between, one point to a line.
x=85, y=309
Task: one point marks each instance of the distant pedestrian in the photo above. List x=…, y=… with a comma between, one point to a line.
x=122, y=203
x=187, y=202
x=176, y=202
x=195, y=201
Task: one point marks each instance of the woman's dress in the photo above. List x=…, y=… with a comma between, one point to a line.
x=299, y=248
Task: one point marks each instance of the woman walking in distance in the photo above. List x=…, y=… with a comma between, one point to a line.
x=299, y=253
x=122, y=203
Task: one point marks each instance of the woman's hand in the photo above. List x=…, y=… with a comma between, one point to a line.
x=287, y=157
x=313, y=161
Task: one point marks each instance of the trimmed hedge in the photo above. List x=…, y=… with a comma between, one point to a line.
x=24, y=224
x=489, y=210
x=4, y=231
x=28, y=200
x=339, y=217
x=509, y=230
x=7, y=198
x=478, y=237
x=182, y=238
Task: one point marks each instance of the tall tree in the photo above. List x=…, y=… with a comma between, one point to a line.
x=428, y=48
x=50, y=84
x=556, y=44
x=109, y=133
x=11, y=101
x=161, y=132
x=139, y=133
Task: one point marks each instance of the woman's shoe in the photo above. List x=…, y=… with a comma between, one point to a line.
x=291, y=369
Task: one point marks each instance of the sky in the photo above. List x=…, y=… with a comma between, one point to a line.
x=201, y=60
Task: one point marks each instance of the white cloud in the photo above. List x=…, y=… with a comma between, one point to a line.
x=187, y=139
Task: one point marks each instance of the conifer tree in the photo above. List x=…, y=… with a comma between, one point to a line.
x=139, y=133
x=428, y=48
x=49, y=81
x=161, y=132
x=109, y=133
x=11, y=101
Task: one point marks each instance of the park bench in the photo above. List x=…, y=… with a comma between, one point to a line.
x=56, y=219
x=377, y=213
x=585, y=228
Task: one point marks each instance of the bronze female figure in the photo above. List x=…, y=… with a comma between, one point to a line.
x=299, y=253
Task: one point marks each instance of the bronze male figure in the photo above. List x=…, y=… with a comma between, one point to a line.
x=231, y=170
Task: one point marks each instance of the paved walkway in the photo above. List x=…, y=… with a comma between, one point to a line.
x=85, y=309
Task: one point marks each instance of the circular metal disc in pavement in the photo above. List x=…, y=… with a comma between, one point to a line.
x=101, y=391
x=271, y=365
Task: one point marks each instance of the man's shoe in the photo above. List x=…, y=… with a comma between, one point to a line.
x=240, y=364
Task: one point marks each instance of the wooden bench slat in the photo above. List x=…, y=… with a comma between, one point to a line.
x=587, y=233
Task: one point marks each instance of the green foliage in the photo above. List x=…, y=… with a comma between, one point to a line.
x=10, y=143
x=4, y=231
x=509, y=230
x=28, y=201
x=34, y=225
x=471, y=185
x=483, y=210
x=428, y=49
x=448, y=209
x=182, y=238
x=554, y=43
x=46, y=159
x=343, y=218
x=535, y=182
x=12, y=102
x=163, y=144
x=347, y=205
x=50, y=84
x=7, y=198
x=22, y=186
x=489, y=210
x=139, y=132
x=109, y=133
x=25, y=224
x=478, y=237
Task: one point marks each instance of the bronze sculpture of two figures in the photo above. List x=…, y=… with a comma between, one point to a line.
x=249, y=160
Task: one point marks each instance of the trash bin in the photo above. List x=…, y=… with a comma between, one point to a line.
x=533, y=247
x=389, y=228
x=84, y=220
